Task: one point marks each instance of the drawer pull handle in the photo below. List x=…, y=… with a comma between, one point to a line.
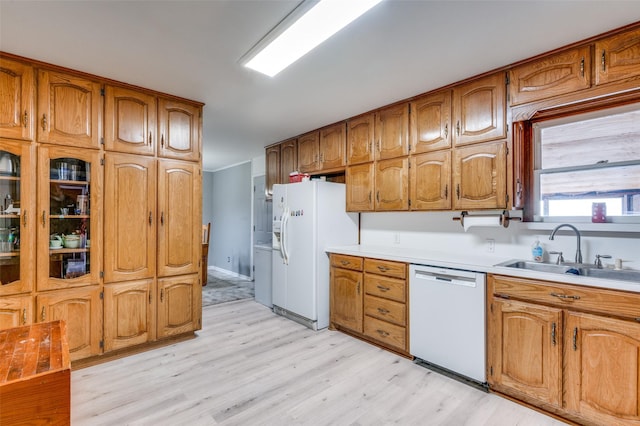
x=564, y=296
x=383, y=311
x=553, y=334
x=383, y=268
x=575, y=339
x=382, y=333
x=24, y=316
x=345, y=262
x=383, y=288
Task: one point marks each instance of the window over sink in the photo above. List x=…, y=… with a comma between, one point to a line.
x=588, y=158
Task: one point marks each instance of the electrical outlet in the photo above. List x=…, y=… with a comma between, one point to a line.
x=491, y=245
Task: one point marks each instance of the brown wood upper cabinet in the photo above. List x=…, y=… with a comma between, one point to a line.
x=130, y=121
x=359, y=187
x=16, y=105
x=479, y=109
x=431, y=122
x=273, y=168
x=392, y=184
x=480, y=176
x=69, y=110
x=180, y=219
x=360, y=139
x=309, y=152
x=392, y=131
x=430, y=179
x=554, y=75
x=323, y=149
x=179, y=128
x=288, y=159
x=617, y=57
x=131, y=220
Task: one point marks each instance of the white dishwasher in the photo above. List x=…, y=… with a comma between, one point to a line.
x=447, y=320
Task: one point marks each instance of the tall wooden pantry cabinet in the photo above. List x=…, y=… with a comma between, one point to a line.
x=100, y=211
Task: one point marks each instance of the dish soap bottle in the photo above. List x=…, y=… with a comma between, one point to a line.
x=537, y=251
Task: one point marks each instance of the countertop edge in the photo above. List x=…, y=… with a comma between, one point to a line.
x=475, y=263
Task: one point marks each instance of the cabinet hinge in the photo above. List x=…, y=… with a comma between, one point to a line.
x=409, y=203
x=102, y=161
x=253, y=268
x=254, y=228
x=491, y=307
x=101, y=274
x=101, y=141
x=102, y=91
x=102, y=295
x=507, y=198
x=198, y=263
x=637, y=319
x=507, y=80
x=491, y=370
x=101, y=344
x=507, y=150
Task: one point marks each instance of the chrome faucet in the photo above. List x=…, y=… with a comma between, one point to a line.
x=578, y=252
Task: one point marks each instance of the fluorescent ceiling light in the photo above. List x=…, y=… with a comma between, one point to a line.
x=288, y=42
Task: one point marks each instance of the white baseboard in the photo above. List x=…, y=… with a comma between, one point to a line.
x=225, y=271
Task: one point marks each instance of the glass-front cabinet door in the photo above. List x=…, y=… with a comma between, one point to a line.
x=17, y=236
x=69, y=215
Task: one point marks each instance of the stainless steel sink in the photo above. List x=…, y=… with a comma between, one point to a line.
x=575, y=269
x=622, y=275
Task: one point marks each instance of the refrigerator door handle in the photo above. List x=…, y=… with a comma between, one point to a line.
x=283, y=233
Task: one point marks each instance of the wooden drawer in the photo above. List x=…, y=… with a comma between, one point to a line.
x=386, y=267
x=385, y=332
x=388, y=288
x=346, y=262
x=612, y=302
x=386, y=310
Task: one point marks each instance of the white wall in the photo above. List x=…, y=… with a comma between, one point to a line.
x=437, y=231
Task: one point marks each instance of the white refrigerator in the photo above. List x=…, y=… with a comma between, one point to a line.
x=308, y=217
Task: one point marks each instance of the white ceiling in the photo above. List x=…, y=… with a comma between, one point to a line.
x=191, y=49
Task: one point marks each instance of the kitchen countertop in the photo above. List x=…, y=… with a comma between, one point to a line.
x=474, y=262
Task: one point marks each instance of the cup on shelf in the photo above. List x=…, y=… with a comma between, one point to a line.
x=55, y=241
x=63, y=171
x=64, y=211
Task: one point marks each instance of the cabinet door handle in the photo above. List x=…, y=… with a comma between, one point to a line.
x=458, y=190
x=162, y=141
x=378, y=196
x=369, y=196
x=603, y=61
x=553, y=334
x=44, y=218
x=446, y=191
x=25, y=118
x=575, y=339
x=446, y=130
x=149, y=138
x=382, y=333
x=150, y=218
x=24, y=218
x=458, y=128
x=582, y=68
x=24, y=316
x=149, y=297
x=162, y=218
x=43, y=314
x=358, y=288
x=162, y=295
x=383, y=288
x=44, y=122
x=564, y=296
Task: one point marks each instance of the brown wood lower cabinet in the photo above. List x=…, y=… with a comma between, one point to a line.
x=571, y=350
x=15, y=311
x=369, y=300
x=81, y=310
x=129, y=314
x=179, y=305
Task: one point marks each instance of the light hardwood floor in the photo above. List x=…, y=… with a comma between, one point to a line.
x=250, y=367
